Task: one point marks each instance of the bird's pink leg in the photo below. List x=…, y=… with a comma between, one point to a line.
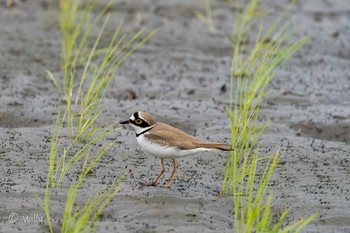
x=154, y=183
x=171, y=180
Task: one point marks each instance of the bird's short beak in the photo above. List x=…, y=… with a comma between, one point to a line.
x=124, y=122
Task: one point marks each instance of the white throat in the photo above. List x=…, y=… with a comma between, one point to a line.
x=140, y=130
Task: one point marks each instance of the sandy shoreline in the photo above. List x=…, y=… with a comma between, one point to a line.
x=181, y=76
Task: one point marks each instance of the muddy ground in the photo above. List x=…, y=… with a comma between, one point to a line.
x=182, y=76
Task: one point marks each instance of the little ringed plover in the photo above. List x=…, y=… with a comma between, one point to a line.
x=166, y=142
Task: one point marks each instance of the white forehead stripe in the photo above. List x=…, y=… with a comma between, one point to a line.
x=132, y=117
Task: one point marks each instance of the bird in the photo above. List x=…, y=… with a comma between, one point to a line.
x=167, y=142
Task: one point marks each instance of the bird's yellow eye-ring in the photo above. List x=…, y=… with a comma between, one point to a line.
x=138, y=121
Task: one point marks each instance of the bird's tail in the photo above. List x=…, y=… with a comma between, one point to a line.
x=217, y=146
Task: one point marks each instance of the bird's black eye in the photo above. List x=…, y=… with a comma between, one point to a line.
x=138, y=121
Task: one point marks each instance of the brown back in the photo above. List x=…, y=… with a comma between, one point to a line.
x=167, y=135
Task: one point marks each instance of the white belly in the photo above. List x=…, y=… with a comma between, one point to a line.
x=165, y=152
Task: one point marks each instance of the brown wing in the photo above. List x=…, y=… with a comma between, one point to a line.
x=167, y=135
x=212, y=145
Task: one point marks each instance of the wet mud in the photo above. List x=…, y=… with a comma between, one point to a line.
x=181, y=76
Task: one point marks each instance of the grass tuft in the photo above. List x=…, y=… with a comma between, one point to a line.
x=62, y=160
x=87, y=72
x=252, y=68
x=207, y=18
x=88, y=69
x=84, y=218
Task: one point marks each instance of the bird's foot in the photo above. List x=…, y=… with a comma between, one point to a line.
x=148, y=184
x=167, y=185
